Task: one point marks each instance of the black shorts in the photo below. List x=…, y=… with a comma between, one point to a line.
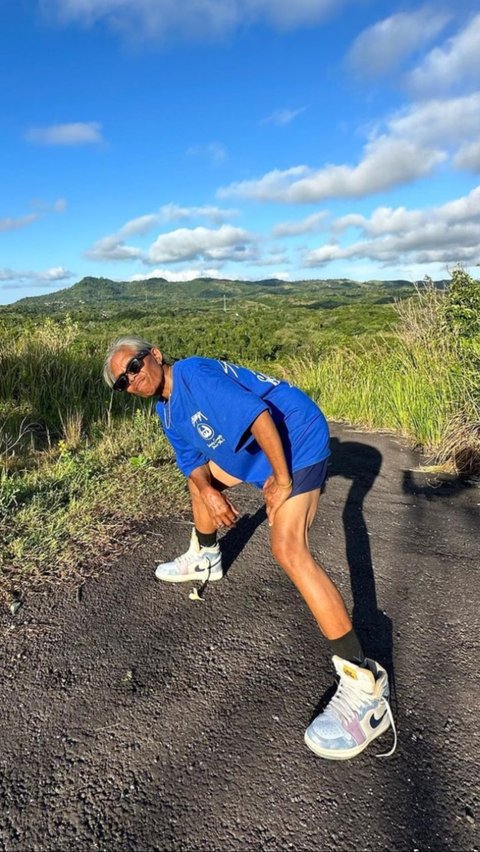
x=309, y=478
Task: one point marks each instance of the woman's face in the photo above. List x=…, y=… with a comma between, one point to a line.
x=149, y=380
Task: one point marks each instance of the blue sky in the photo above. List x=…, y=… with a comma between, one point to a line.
x=237, y=138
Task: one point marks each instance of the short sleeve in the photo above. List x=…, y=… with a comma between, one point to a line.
x=187, y=457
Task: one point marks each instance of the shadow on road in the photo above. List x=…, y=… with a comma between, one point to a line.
x=361, y=464
x=237, y=537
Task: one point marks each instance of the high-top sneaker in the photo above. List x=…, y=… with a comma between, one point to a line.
x=197, y=563
x=358, y=712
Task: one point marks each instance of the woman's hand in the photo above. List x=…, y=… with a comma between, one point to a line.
x=223, y=513
x=275, y=496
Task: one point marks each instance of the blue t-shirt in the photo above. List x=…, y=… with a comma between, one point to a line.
x=214, y=403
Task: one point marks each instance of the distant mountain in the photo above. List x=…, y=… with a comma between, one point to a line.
x=151, y=293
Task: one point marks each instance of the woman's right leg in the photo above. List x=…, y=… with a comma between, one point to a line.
x=219, y=480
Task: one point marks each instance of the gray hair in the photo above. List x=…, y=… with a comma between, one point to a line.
x=129, y=341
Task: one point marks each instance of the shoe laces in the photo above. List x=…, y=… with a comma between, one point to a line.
x=191, y=555
x=349, y=699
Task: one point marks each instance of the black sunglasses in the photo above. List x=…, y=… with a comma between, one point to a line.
x=133, y=367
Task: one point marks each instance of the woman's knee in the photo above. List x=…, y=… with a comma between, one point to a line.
x=289, y=551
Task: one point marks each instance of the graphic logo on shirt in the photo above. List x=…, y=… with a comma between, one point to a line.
x=205, y=431
x=197, y=418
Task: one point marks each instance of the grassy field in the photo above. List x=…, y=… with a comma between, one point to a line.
x=79, y=467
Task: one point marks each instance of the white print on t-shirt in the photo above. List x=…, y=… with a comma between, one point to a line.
x=216, y=443
x=232, y=367
x=205, y=431
x=263, y=378
x=197, y=418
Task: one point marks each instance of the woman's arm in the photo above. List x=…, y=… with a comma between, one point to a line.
x=278, y=486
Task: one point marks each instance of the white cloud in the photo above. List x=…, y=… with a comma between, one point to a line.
x=190, y=18
x=387, y=162
x=55, y=273
x=215, y=152
x=78, y=133
x=140, y=225
x=438, y=122
x=112, y=248
x=387, y=220
x=414, y=141
x=455, y=64
x=383, y=46
x=17, y=278
x=171, y=213
x=14, y=224
x=468, y=157
x=449, y=233
x=177, y=275
x=283, y=116
x=315, y=222
x=225, y=243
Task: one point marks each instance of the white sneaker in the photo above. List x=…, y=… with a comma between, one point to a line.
x=357, y=714
x=197, y=563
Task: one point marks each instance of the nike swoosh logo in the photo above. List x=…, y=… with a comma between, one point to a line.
x=374, y=723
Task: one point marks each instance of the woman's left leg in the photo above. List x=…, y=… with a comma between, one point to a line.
x=359, y=711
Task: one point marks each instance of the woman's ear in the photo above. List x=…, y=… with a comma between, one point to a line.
x=157, y=355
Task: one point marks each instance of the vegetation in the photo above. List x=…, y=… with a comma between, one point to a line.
x=80, y=466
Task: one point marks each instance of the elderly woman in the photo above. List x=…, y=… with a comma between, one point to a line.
x=228, y=424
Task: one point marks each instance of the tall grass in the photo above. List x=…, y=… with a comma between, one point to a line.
x=423, y=383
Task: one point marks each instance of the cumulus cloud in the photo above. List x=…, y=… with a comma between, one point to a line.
x=413, y=142
x=383, y=46
x=112, y=248
x=456, y=63
x=449, y=233
x=283, y=116
x=78, y=133
x=468, y=157
x=225, y=243
x=174, y=212
x=55, y=273
x=315, y=222
x=17, y=278
x=387, y=162
x=190, y=19
x=440, y=121
x=177, y=275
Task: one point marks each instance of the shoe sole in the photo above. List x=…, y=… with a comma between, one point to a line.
x=200, y=576
x=346, y=754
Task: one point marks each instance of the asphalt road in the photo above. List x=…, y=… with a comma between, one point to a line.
x=133, y=718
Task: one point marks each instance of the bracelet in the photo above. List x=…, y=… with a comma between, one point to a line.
x=289, y=485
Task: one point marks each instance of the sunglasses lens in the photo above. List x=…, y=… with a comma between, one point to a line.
x=135, y=366
x=122, y=383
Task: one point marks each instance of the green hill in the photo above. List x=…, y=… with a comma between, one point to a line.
x=109, y=296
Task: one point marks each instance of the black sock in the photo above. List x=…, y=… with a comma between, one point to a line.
x=206, y=539
x=348, y=648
